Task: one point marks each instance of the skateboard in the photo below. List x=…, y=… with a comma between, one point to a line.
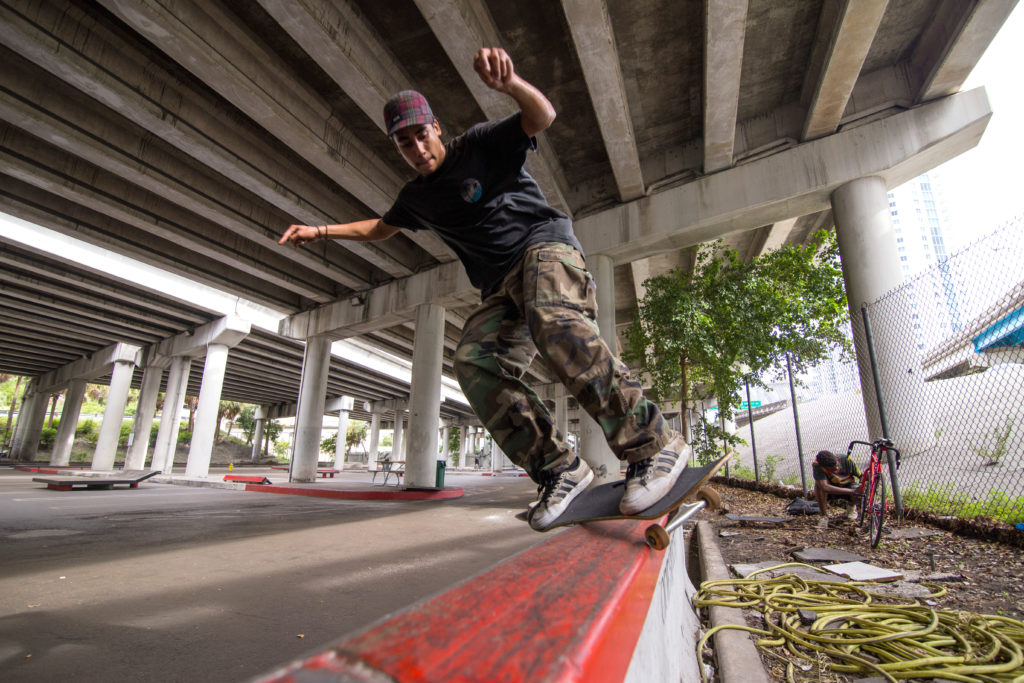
x=601, y=503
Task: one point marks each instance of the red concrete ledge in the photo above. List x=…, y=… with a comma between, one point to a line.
x=47, y=470
x=394, y=494
x=570, y=609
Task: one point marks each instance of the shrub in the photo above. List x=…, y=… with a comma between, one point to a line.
x=126, y=430
x=184, y=437
x=47, y=437
x=88, y=430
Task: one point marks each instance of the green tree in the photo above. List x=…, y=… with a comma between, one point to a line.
x=228, y=410
x=247, y=422
x=695, y=331
x=355, y=434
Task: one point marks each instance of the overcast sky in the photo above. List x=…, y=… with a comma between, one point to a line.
x=982, y=186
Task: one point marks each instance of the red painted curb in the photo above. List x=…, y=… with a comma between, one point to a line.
x=571, y=609
x=453, y=492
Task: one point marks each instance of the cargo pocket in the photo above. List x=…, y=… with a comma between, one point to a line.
x=560, y=279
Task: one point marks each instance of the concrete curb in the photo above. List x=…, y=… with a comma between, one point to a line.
x=737, y=657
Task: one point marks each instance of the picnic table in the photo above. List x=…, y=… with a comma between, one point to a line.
x=389, y=467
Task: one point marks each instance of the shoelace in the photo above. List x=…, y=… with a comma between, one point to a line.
x=640, y=470
x=547, y=486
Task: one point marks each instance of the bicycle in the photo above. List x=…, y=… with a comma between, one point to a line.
x=871, y=489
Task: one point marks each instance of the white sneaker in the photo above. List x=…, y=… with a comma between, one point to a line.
x=648, y=480
x=556, y=491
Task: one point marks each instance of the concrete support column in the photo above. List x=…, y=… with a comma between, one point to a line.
x=339, y=444
x=425, y=396
x=871, y=267
x=309, y=420
x=371, y=456
x=61, y=454
x=464, y=446
x=397, y=436
x=144, y=413
x=562, y=410
x=30, y=425
x=594, y=447
x=446, y=451
x=497, y=458
x=257, y=438
x=205, y=430
x=113, y=415
x=170, y=417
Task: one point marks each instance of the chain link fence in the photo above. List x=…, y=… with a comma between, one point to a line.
x=949, y=345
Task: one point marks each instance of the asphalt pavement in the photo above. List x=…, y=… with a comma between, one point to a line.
x=185, y=583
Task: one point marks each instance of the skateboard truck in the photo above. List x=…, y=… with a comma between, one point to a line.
x=658, y=536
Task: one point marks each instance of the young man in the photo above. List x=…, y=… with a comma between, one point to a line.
x=836, y=477
x=536, y=295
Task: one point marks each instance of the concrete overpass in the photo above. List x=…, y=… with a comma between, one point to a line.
x=189, y=135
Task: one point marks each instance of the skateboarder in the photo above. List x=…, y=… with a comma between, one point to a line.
x=536, y=294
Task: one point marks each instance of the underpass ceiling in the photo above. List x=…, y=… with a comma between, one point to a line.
x=188, y=135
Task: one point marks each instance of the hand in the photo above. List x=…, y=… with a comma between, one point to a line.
x=494, y=67
x=300, y=234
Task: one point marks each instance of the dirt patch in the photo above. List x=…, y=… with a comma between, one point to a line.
x=988, y=571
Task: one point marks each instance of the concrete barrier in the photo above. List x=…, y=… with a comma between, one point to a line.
x=590, y=604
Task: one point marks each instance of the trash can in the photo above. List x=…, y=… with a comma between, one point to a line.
x=439, y=478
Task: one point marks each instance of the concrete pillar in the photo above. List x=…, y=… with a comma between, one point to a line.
x=425, y=396
x=170, y=417
x=113, y=416
x=464, y=446
x=871, y=268
x=561, y=410
x=309, y=420
x=61, y=454
x=371, y=456
x=205, y=429
x=594, y=447
x=497, y=458
x=257, y=438
x=30, y=425
x=144, y=413
x=446, y=451
x=339, y=444
x=397, y=440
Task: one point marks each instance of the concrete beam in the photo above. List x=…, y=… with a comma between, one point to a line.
x=793, y=182
x=951, y=46
x=208, y=41
x=594, y=39
x=462, y=27
x=95, y=365
x=45, y=109
x=385, y=306
x=228, y=331
x=337, y=37
x=851, y=33
x=725, y=30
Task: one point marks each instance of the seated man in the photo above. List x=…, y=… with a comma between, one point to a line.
x=835, y=478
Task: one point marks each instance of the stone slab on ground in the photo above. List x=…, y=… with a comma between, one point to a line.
x=913, y=532
x=742, y=519
x=861, y=571
x=806, y=573
x=826, y=555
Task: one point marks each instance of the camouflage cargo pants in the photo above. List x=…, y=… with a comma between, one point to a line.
x=547, y=304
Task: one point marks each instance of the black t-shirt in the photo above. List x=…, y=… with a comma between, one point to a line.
x=483, y=203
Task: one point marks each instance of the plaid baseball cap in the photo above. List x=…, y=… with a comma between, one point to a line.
x=407, y=108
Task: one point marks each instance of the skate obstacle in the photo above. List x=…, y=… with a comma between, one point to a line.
x=592, y=603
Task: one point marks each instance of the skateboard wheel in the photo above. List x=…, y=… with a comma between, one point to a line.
x=710, y=497
x=657, y=537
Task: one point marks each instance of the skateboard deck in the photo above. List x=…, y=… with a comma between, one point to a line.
x=601, y=503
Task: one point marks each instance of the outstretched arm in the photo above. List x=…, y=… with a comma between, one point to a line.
x=370, y=230
x=495, y=69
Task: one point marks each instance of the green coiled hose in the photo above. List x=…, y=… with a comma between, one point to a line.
x=856, y=632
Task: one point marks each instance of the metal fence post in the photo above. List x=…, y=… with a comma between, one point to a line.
x=897, y=495
x=796, y=424
x=753, y=443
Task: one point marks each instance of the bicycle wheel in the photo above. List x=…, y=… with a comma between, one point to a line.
x=877, y=512
x=862, y=503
